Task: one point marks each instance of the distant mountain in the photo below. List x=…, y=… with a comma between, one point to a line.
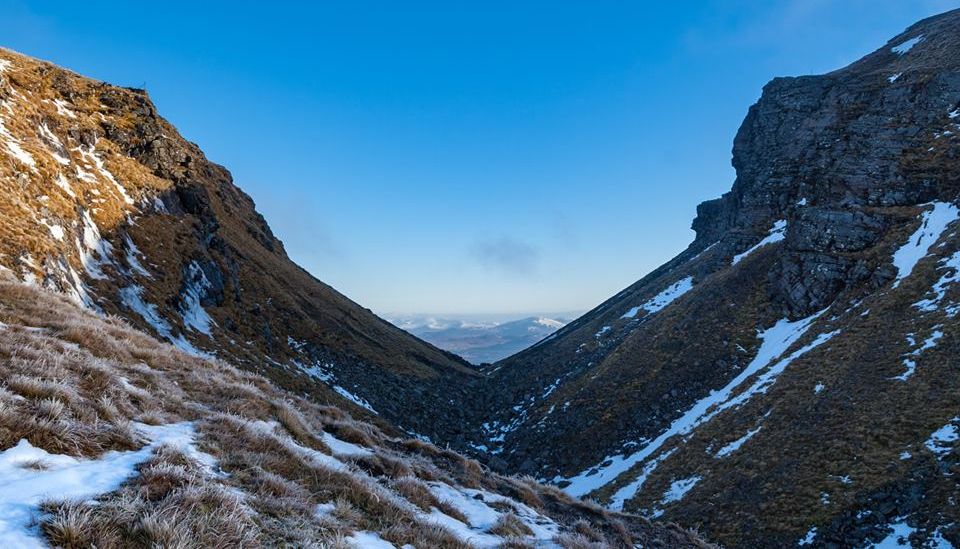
x=480, y=340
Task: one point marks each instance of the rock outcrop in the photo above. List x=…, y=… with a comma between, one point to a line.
x=768, y=383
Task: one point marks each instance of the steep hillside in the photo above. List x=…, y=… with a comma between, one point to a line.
x=109, y=438
x=104, y=201
x=791, y=376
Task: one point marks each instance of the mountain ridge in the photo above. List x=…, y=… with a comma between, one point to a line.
x=480, y=342
x=672, y=398
x=108, y=204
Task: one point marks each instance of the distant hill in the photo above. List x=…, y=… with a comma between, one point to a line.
x=480, y=340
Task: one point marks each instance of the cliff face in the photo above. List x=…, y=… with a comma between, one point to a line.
x=104, y=201
x=848, y=146
x=770, y=382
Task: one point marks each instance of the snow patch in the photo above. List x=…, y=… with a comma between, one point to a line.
x=898, y=537
x=75, y=288
x=62, y=182
x=56, y=231
x=910, y=360
x=777, y=233
x=666, y=297
x=941, y=441
x=63, y=109
x=132, y=256
x=316, y=456
x=344, y=448
x=933, y=222
x=679, y=488
x=13, y=145
x=906, y=45
x=940, y=287
x=735, y=445
x=67, y=477
x=132, y=298
x=55, y=147
x=89, y=155
x=368, y=540
x=195, y=285
x=323, y=372
x=359, y=401
x=809, y=537
x=475, y=505
x=94, y=250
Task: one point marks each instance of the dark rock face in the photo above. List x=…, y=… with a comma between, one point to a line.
x=838, y=143
x=833, y=174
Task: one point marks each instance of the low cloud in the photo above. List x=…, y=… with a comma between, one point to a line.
x=508, y=255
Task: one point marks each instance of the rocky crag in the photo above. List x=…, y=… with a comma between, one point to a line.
x=791, y=376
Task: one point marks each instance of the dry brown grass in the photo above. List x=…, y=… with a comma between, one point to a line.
x=76, y=383
x=509, y=526
x=579, y=541
x=296, y=424
x=170, y=504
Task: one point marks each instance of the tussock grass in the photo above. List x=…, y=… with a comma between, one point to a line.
x=509, y=526
x=170, y=504
x=74, y=383
x=579, y=541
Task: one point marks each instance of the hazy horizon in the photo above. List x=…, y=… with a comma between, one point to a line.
x=487, y=159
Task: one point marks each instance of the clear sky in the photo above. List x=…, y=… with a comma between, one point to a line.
x=464, y=157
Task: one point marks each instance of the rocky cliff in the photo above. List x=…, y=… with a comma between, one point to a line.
x=791, y=376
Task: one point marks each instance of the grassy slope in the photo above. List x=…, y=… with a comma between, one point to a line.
x=267, y=302
x=73, y=382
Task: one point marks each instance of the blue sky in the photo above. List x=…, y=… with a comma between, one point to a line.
x=465, y=157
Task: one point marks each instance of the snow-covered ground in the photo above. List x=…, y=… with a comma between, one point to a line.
x=660, y=301
x=29, y=475
x=906, y=45
x=735, y=445
x=776, y=233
